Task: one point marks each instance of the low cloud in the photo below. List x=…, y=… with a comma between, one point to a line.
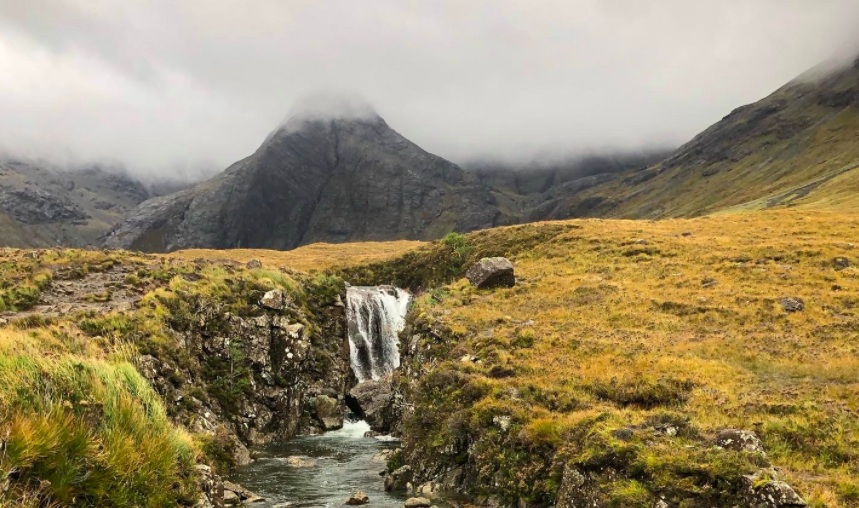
x=173, y=88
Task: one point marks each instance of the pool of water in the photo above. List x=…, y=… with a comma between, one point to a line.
x=343, y=464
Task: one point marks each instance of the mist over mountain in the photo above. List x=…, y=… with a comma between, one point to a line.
x=175, y=89
x=328, y=174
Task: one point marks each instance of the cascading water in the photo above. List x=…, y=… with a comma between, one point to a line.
x=376, y=315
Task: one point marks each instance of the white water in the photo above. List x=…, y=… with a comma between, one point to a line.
x=376, y=316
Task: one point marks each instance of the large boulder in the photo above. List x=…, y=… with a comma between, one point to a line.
x=491, y=273
x=375, y=402
x=397, y=480
x=329, y=412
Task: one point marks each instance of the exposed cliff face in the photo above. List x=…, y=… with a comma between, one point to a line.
x=317, y=180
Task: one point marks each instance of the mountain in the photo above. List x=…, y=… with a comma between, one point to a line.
x=329, y=174
x=42, y=206
x=796, y=147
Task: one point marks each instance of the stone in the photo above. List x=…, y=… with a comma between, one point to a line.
x=417, y=502
x=329, y=412
x=254, y=264
x=273, y=300
x=739, y=440
x=764, y=490
x=375, y=402
x=503, y=422
x=578, y=489
x=624, y=434
x=231, y=498
x=358, y=498
x=398, y=479
x=840, y=263
x=790, y=304
x=382, y=456
x=491, y=273
x=298, y=462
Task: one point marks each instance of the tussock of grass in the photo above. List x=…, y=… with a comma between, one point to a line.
x=86, y=431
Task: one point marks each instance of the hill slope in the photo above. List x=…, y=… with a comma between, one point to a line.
x=40, y=206
x=799, y=146
x=321, y=178
x=607, y=374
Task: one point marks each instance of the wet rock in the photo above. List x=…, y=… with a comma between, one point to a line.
x=417, y=502
x=358, y=498
x=428, y=490
x=764, y=490
x=791, y=304
x=398, y=479
x=274, y=300
x=383, y=456
x=244, y=495
x=491, y=273
x=254, y=264
x=376, y=402
x=739, y=440
x=329, y=412
x=372, y=433
x=298, y=462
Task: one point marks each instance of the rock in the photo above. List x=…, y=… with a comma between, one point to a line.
x=764, y=490
x=244, y=495
x=358, y=498
x=739, y=440
x=375, y=402
x=491, y=272
x=417, y=502
x=640, y=241
x=468, y=359
x=398, y=479
x=790, y=304
x=624, y=434
x=273, y=300
x=383, y=456
x=503, y=422
x=372, y=433
x=298, y=462
x=253, y=264
x=329, y=412
x=231, y=498
x=428, y=490
x=577, y=490
x=841, y=263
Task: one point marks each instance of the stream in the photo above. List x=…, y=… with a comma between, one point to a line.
x=342, y=459
x=343, y=464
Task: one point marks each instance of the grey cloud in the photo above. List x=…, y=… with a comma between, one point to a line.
x=188, y=87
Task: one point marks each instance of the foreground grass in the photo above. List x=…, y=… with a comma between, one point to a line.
x=644, y=325
x=83, y=429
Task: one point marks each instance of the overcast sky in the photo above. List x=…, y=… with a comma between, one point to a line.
x=172, y=86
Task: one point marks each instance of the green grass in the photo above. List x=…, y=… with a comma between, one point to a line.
x=87, y=432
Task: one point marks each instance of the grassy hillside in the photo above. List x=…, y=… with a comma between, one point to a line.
x=797, y=147
x=317, y=256
x=643, y=326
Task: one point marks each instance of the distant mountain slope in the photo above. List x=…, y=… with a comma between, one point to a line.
x=799, y=146
x=317, y=179
x=41, y=206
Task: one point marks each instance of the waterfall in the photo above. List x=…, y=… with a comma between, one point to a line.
x=376, y=315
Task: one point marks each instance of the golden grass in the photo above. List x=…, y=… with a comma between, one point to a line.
x=631, y=317
x=317, y=256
